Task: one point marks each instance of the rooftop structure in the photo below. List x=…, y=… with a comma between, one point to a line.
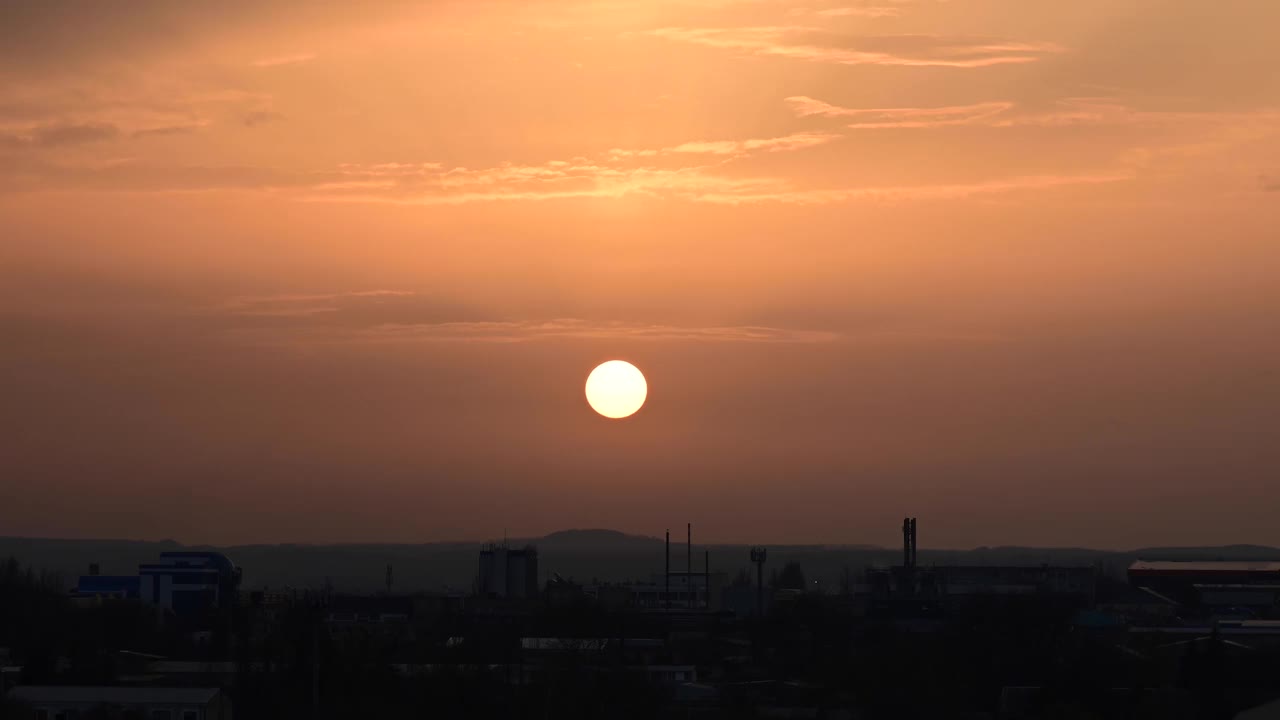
x=678, y=589
x=910, y=588
x=1211, y=584
x=182, y=581
x=507, y=572
x=151, y=702
x=1210, y=567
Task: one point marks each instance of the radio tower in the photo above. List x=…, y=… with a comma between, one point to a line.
x=757, y=556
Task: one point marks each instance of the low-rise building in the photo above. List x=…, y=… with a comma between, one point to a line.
x=682, y=590
x=56, y=702
x=182, y=581
x=1212, y=585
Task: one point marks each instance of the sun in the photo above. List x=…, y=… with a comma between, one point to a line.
x=616, y=389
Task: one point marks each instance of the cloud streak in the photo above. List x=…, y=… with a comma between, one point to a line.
x=61, y=134
x=167, y=130
x=700, y=186
x=1067, y=112
x=814, y=45
x=875, y=11
x=404, y=316
x=579, y=329
x=277, y=61
x=256, y=118
x=302, y=305
x=901, y=117
x=787, y=143
x=901, y=193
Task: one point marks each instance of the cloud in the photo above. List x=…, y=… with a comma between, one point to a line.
x=546, y=182
x=902, y=117
x=610, y=175
x=405, y=316
x=277, y=61
x=701, y=185
x=61, y=134
x=814, y=45
x=91, y=108
x=30, y=173
x=1004, y=114
x=260, y=117
x=795, y=141
x=74, y=134
x=911, y=192
x=167, y=130
x=700, y=171
x=578, y=329
x=303, y=305
x=876, y=11
x=392, y=169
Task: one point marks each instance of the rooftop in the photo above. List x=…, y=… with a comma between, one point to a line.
x=90, y=695
x=1223, y=566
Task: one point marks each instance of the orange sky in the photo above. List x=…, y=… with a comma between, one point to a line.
x=296, y=271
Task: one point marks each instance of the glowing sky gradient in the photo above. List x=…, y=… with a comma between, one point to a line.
x=302, y=271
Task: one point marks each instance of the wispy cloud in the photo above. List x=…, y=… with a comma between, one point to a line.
x=60, y=134
x=786, y=143
x=279, y=60
x=902, y=117
x=665, y=172
x=874, y=11
x=699, y=185
x=136, y=105
x=1002, y=113
x=815, y=45
x=167, y=130
x=405, y=316
x=301, y=305
x=393, y=169
x=901, y=193
x=259, y=117
x=578, y=329
x=551, y=182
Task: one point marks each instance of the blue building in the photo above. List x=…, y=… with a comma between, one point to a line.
x=183, y=582
x=115, y=587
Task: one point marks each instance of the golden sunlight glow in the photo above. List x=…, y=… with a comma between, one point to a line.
x=616, y=389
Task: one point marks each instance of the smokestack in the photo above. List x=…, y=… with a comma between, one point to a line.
x=706, y=575
x=688, y=572
x=758, y=555
x=906, y=542
x=914, y=556
x=667, y=598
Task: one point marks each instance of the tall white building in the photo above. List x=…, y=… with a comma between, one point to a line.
x=507, y=572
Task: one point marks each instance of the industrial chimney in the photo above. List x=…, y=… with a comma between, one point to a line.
x=906, y=542
x=688, y=571
x=667, y=596
x=914, y=557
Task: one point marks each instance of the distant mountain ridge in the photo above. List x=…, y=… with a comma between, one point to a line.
x=585, y=554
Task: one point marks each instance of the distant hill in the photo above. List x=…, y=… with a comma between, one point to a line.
x=593, y=539
x=582, y=554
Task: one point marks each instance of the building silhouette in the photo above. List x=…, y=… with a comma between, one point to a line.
x=507, y=572
x=182, y=581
